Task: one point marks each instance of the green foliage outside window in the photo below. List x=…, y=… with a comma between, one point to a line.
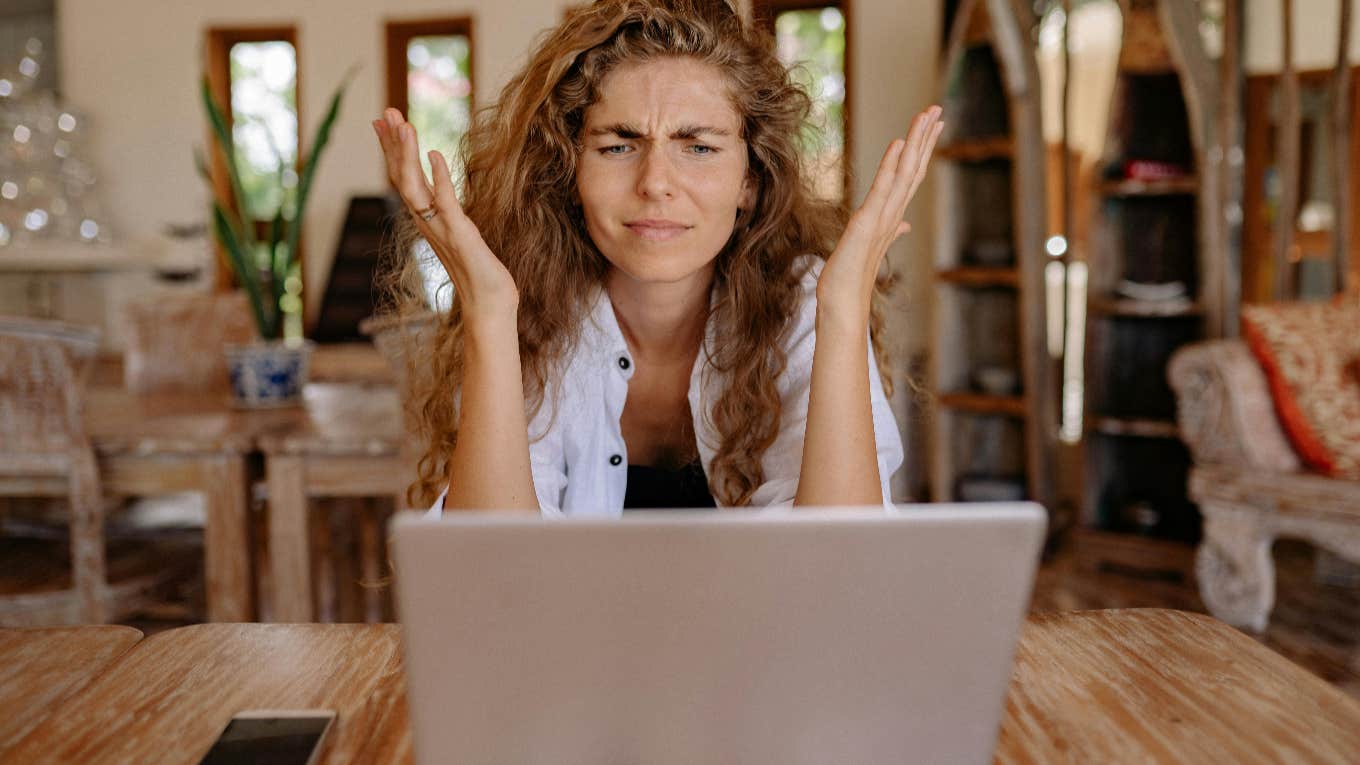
x=812, y=43
x=439, y=93
x=265, y=126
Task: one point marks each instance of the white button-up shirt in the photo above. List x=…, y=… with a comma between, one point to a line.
x=576, y=448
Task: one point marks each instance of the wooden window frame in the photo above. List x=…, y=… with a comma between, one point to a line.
x=764, y=12
x=220, y=41
x=1258, y=241
x=399, y=34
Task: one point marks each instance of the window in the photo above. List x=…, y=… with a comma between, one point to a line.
x=264, y=123
x=813, y=39
x=255, y=71
x=429, y=78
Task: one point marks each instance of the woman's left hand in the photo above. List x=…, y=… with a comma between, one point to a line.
x=846, y=285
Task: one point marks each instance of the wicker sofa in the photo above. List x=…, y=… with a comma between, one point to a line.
x=1250, y=485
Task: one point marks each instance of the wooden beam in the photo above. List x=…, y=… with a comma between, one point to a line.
x=1230, y=179
x=1341, y=159
x=1287, y=161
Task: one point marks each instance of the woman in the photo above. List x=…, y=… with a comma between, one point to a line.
x=647, y=293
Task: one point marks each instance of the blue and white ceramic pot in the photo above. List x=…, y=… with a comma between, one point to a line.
x=268, y=374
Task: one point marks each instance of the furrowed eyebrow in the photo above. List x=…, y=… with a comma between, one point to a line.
x=621, y=130
x=684, y=132
x=694, y=131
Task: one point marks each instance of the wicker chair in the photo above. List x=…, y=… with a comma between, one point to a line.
x=1249, y=483
x=395, y=337
x=174, y=341
x=44, y=452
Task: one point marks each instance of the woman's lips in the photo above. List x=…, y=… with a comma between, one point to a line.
x=656, y=230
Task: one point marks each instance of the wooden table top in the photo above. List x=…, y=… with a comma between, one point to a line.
x=40, y=668
x=167, y=700
x=361, y=418
x=1099, y=686
x=1149, y=685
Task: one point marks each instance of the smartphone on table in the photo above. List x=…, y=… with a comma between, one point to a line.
x=271, y=737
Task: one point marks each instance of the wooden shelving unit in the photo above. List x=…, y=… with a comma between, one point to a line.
x=1104, y=305
x=980, y=276
x=1150, y=232
x=1188, y=185
x=983, y=403
x=978, y=149
x=994, y=414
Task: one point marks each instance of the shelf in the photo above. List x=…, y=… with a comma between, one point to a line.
x=982, y=403
x=980, y=276
x=1161, y=188
x=1155, y=309
x=1137, y=427
x=977, y=149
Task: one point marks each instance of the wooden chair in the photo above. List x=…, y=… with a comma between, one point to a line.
x=174, y=340
x=174, y=343
x=44, y=452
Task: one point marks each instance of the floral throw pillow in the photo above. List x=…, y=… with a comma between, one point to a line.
x=1308, y=352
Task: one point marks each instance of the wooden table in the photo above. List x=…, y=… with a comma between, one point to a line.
x=40, y=668
x=1098, y=686
x=1145, y=685
x=167, y=699
x=171, y=442
x=349, y=444
x=344, y=441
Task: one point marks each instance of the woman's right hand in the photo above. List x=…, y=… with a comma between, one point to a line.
x=483, y=285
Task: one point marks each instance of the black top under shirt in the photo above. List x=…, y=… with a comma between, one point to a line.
x=660, y=488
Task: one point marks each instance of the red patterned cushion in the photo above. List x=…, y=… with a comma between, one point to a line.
x=1305, y=350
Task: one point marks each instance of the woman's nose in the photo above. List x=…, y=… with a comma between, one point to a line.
x=655, y=179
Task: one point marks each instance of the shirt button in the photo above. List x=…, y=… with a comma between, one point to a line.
x=615, y=460
x=624, y=363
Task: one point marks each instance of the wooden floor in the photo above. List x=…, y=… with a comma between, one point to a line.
x=1316, y=625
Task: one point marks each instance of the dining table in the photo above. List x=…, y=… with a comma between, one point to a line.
x=149, y=444
x=1140, y=685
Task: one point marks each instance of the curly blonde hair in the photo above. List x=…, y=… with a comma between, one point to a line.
x=520, y=158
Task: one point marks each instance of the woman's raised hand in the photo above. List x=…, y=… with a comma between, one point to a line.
x=480, y=280
x=847, y=281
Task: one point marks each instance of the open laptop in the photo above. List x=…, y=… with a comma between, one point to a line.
x=771, y=638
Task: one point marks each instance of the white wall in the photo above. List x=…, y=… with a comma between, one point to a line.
x=133, y=66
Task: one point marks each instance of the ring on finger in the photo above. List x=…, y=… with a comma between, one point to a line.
x=427, y=213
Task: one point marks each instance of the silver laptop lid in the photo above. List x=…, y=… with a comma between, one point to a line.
x=830, y=636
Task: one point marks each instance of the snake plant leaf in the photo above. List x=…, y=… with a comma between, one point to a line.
x=241, y=264
x=222, y=132
x=279, y=258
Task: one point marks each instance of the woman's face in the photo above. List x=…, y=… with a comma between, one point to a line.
x=663, y=169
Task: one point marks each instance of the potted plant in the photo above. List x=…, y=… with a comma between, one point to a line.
x=271, y=371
